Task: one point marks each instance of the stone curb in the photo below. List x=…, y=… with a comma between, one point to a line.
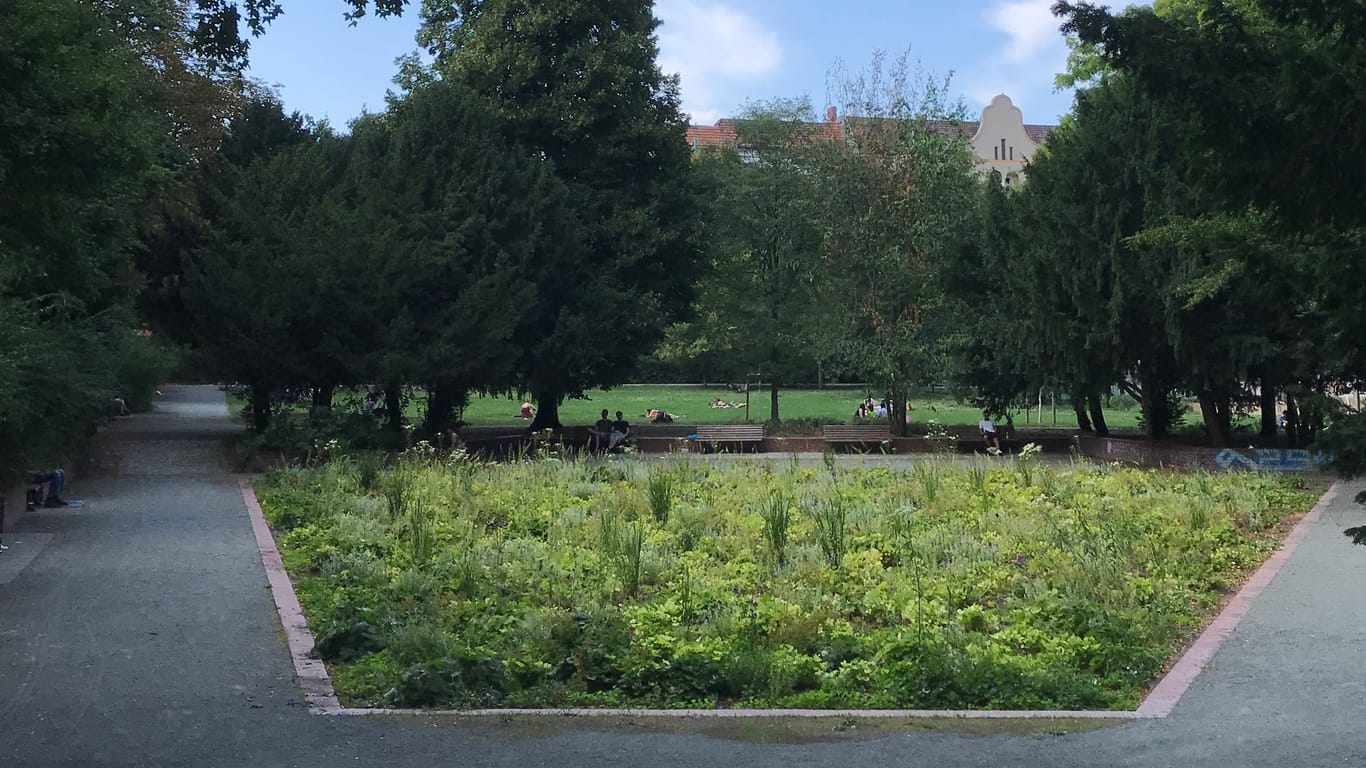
x=1158, y=704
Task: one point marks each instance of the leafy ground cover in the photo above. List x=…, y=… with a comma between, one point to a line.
x=545, y=583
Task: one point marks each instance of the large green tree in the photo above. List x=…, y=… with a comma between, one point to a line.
x=765, y=244
x=1271, y=157
x=576, y=82
x=84, y=127
x=897, y=199
x=450, y=225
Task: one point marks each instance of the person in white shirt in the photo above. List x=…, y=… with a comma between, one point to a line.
x=989, y=433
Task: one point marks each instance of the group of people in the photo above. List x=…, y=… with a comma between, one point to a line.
x=608, y=434
x=880, y=409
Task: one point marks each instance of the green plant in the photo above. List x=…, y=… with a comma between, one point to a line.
x=940, y=438
x=777, y=520
x=1027, y=462
x=978, y=592
x=422, y=531
x=830, y=516
x=928, y=474
x=661, y=495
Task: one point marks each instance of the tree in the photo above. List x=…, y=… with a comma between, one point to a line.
x=453, y=223
x=765, y=244
x=576, y=83
x=220, y=28
x=992, y=348
x=247, y=285
x=898, y=196
x=1270, y=155
x=81, y=141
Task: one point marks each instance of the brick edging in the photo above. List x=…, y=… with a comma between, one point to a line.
x=1158, y=704
x=312, y=673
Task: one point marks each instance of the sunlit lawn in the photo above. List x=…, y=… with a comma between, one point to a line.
x=692, y=404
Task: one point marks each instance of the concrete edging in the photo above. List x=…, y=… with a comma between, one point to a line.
x=1158, y=704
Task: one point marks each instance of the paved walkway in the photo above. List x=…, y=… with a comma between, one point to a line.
x=139, y=632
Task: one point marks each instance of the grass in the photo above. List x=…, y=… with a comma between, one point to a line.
x=693, y=405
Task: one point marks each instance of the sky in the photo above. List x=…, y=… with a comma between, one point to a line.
x=726, y=52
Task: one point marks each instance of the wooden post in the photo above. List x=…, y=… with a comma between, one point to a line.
x=1053, y=396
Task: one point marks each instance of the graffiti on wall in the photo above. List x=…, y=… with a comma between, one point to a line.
x=1271, y=460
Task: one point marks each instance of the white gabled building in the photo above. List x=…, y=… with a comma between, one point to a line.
x=1001, y=139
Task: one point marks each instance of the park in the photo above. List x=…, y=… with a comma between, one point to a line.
x=536, y=415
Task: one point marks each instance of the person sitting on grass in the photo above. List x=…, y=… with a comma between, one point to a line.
x=528, y=411
x=659, y=416
x=621, y=431
x=602, y=431
x=990, y=434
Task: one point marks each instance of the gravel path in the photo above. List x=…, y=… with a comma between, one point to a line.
x=139, y=631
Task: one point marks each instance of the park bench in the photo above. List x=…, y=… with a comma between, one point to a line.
x=857, y=434
x=717, y=435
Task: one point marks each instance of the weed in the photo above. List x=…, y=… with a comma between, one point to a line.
x=660, y=491
x=777, y=521
x=830, y=515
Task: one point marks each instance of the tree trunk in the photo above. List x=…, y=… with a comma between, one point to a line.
x=1215, y=415
x=773, y=401
x=1155, y=412
x=547, y=412
x=1097, y=416
x=1292, y=422
x=896, y=414
x=260, y=408
x=442, y=401
x=1268, y=404
x=1083, y=421
x=393, y=407
x=322, y=398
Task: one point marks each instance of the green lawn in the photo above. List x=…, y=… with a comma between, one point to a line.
x=693, y=405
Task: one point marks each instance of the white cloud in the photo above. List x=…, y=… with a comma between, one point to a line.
x=1029, y=25
x=711, y=45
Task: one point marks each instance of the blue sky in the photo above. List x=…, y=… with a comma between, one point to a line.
x=726, y=51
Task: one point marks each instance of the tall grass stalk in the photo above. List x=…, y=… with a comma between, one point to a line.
x=777, y=522
x=422, y=532
x=831, y=516
x=927, y=473
x=660, y=491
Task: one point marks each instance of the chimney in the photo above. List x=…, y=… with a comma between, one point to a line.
x=831, y=115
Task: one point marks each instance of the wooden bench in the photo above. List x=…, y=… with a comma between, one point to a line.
x=857, y=434
x=717, y=435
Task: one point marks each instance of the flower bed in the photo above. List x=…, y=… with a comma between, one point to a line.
x=549, y=583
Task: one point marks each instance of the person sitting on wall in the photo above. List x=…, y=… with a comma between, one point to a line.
x=621, y=432
x=990, y=434
x=602, y=432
